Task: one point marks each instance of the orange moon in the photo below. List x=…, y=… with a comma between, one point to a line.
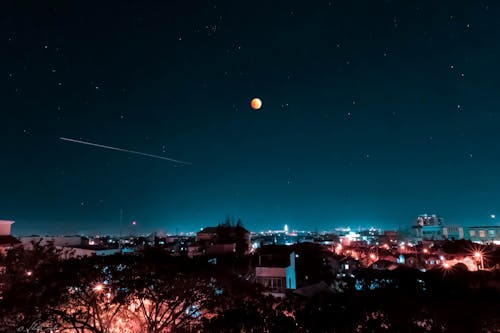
x=256, y=103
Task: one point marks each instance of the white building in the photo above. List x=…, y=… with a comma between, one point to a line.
x=7, y=241
x=276, y=275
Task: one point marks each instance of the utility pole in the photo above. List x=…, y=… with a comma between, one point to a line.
x=121, y=226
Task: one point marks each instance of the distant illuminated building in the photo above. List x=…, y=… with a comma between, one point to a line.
x=286, y=228
x=428, y=220
x=429, y=227
x=346, y=240
x=483, y=235
x=453, y=232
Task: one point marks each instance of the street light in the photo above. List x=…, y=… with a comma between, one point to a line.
x=479, y=259
x=99, y=287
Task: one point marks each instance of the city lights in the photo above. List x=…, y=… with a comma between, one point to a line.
x=362, y=197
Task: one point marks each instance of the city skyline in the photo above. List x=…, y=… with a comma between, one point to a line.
x=372, y=113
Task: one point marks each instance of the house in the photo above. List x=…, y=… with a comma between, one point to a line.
x=81, y=252
x=384, y=265
x=348, y=265
x=409, y=259
x=207, y=234
x=275, y=271
x=434, y=261
x=7, y=241
x=224, y=239
x=58, y=241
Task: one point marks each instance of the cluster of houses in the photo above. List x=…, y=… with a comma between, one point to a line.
x=279, y=269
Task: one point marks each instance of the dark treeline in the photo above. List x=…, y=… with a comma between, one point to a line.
x=154, y=292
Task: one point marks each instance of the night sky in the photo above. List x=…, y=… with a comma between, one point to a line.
x=373, y=112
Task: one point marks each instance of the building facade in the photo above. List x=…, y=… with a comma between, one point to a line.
x=483, y=235
x=276, y=276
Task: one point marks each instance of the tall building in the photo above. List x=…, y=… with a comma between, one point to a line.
x=428, y=227
x=432, y=227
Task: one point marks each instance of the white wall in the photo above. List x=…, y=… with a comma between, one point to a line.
x=5, y=227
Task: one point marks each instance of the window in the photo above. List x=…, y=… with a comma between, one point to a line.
x=472, y=233
x=273, y=283
x=482, y=233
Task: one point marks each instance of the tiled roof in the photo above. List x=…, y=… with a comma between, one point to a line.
x=209, y=230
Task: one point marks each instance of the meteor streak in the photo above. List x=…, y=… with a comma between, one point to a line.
x=123, y=150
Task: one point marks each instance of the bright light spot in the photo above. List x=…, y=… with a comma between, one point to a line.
x=99, y=287
x=493, y=216
x=29, y=273
x=477, y=254
x=446, y=265
x=426, y=251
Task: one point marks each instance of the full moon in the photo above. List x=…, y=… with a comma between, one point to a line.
x=256, y=103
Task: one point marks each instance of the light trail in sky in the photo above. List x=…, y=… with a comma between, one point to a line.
x=123, y=150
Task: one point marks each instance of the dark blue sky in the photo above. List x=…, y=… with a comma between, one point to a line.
x=374, y=112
